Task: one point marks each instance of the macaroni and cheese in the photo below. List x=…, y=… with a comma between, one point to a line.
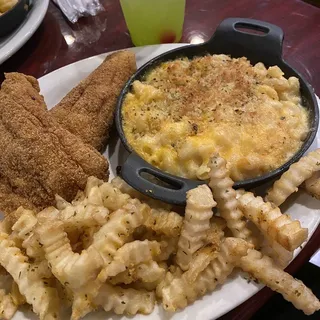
x=186, y=110
x=6, y=5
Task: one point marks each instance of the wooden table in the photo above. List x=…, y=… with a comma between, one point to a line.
x=58, y=43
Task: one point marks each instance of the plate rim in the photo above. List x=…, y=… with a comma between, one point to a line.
x=14, y=44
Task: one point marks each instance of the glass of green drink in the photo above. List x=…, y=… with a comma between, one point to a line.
x=154, y=21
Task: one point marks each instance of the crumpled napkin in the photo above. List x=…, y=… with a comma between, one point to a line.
x=75, y=9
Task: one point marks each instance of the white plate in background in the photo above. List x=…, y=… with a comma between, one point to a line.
x=10, y=44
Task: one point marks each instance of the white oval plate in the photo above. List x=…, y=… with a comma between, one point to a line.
x=14, y=41
x=236, y=290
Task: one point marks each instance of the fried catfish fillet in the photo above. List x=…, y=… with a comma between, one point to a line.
x=39, y=158
x=88, y=110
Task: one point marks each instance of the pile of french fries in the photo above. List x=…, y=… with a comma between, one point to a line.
x=115, y=249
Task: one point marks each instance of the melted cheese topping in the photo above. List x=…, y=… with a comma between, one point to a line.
x=186, y=110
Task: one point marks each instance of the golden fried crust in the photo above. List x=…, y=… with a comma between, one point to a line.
x=88, y=110
x=17, y=85
x=9, y=200
x=39, y=158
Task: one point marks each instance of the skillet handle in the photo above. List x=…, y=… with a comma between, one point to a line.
x=233, y=35
x=174, y=192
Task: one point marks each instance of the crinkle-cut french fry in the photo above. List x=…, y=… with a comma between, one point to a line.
x=116, y=232
x=200, y=260
x=83, y=299
x=77, y=269
x=215, y=233
x=130, y=255
x=169, y=277
x=312, y=185
x=112, y=198
x=266, y=245
x=6, y=225
x=269, y=219
x=126, y=277
x=79, y=198
x=159, y=220
x=146, y=272
x=105, y=244
x=65, y=294
x=22, y=227
x=179, y=293
x=157, y=273
x=24, y=230
x=172, y=273
x=125, y=301
x=98, y=192
x=226, y=197
x=33, y=247
x=61, y=203
x=195, y=225
x=83, y=216
x=48, y=214
x=69, y=268
x=10, y=299
x=16, y=239
x=218, y=222
x=240, y=192
x=91, y=183
x=274, y=250
x=7, y=305
x=91, y=193
x=44, y=299
x=266, y=271
x=16, y=296
x=168, y=245
x=25, y=224
x=150, y=271
x=120, y=184
x=294, y=177
x=12, y=218
x=43, y=269
x=164, y=222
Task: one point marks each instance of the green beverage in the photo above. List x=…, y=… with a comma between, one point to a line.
x=154, y=21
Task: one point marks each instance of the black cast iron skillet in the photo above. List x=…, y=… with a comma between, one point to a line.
x=11, y=19
x=235, y=38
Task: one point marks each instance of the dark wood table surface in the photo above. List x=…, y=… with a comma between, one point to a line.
x=57, y=43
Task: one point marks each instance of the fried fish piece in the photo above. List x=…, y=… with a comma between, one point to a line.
x=88, y=110
x=39, y=158
x=10, y=201
x=22, y=89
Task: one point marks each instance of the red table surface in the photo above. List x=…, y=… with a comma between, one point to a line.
x=48, y=50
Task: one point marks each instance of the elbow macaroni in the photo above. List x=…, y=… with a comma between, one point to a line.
x=186, y=110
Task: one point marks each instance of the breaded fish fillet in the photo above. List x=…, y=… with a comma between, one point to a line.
x=9, y=200
x=39, y=158
x=88, y=110
x=21, y=87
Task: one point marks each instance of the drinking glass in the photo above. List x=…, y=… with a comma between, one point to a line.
x=154, y=21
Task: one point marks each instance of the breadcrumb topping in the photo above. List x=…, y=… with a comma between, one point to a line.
x=185, y=110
